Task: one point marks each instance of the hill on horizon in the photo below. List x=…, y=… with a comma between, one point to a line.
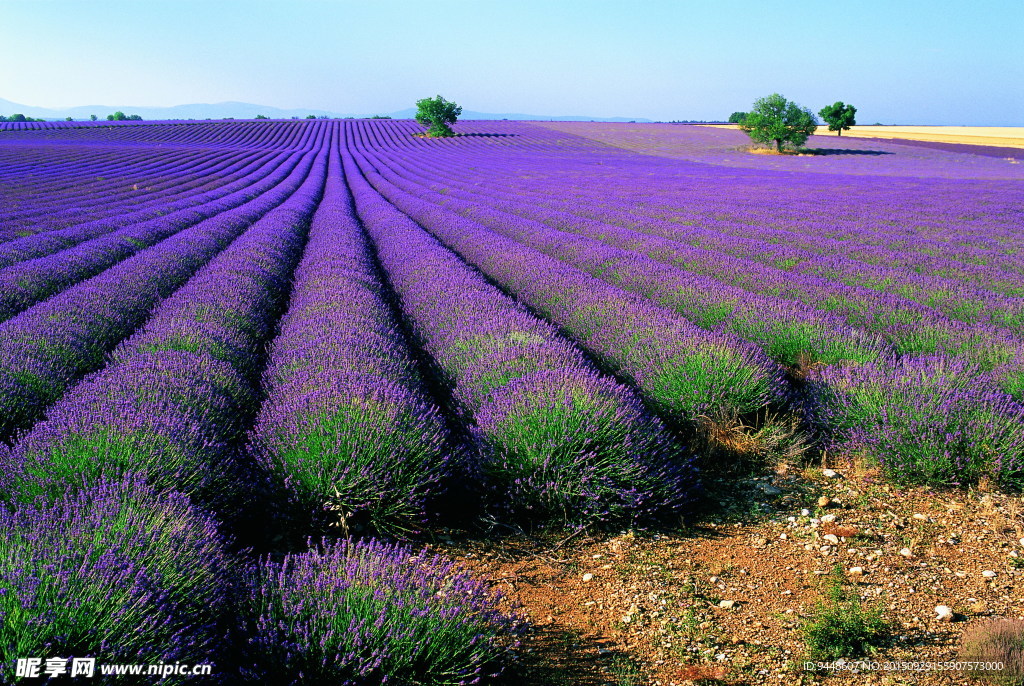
x=246, y=110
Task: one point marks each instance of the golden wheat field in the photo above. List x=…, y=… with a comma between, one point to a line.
x=1001, y=136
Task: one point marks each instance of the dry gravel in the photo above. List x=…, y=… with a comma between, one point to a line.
x=724, y=598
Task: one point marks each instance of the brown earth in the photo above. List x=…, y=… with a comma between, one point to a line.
x=645, y=607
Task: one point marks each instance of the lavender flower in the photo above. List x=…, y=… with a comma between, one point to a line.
x=368, y=612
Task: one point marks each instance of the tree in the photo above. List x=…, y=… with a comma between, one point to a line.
x=262, y=116
x=838, y=116
x=18, y=118
x=92, y=117
x=117, y=116
x=437, y=114
x=775, y=119
x=737, y=117
x=68, y=119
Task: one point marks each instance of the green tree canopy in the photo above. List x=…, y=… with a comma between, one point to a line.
x=737, y=117
x=838, y=116
x=774, y=119
x=437, y=114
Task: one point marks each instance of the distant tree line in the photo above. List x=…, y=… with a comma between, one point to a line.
x=116, y=116
x=18, y=118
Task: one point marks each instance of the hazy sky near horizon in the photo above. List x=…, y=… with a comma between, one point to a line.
x=898, y=61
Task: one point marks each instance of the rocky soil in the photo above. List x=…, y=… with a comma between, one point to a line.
x=724, y=598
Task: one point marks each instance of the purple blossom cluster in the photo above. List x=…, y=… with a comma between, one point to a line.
x=368, y=612
x=116, y=571
x=927, y=419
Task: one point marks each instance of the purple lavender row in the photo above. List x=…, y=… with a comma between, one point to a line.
x=948, y=285
x=178, y=394
x=785, y=331
x=119, y=210
x=73, y=179
x=33, y=208
x=944, y=422
x=26, y=283
x=681, y=370
x=218, y=134
x=116, y=571
x=131, y=575
x=920, y=253
x=346, y=429
x=427, y=619
x=807, y=281
x=75, y=198
x=98, y=187
x=707, y=301
x=960, y=302
x=82, y=172
x=832, y=206
x=698, y=209
x=49, y=346
x=952, y=296
x=245, y=174
x=561, y=444
x=172, y=181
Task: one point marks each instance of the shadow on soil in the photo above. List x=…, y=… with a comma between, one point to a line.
x=556, y=656
x=845, y=151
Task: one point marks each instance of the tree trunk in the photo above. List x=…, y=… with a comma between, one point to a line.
x=840, y=131
x=778, y=144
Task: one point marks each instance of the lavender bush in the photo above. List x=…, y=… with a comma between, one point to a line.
x=369, y=612
x=926, y=420
x=114, y=572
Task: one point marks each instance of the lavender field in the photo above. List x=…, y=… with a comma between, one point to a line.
x=247, y=368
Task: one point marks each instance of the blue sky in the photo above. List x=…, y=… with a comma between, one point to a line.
x=898, y=61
